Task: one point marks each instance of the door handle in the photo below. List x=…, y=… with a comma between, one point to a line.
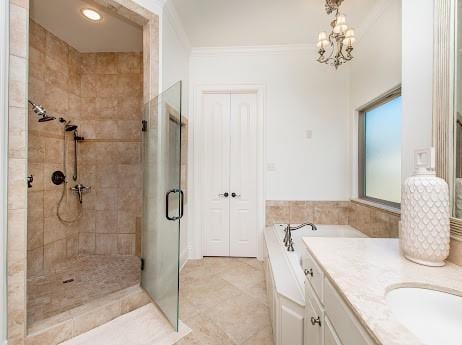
x=234, y=195
x=167, y=204
x=224, y=195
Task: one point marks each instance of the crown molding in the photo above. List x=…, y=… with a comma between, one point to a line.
x=171, y=14
x=157, y=6
x=251, y=50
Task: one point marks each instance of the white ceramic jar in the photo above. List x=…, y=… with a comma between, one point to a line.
x=425, y=231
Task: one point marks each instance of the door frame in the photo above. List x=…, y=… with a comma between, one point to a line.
x=197, y=218
x=4, y=53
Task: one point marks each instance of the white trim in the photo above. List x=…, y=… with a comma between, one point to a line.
x=4, y=52
x=197, y=217
x=251, y=50
x=157, y=6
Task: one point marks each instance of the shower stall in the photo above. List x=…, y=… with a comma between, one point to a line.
x=104, y=198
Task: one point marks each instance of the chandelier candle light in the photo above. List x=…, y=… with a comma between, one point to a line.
x=339, y=41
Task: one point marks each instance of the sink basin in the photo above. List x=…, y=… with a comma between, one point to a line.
x=434, y=317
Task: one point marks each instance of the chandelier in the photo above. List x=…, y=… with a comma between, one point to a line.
x=339, y=42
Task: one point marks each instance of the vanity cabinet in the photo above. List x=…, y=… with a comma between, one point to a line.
x=328, y=319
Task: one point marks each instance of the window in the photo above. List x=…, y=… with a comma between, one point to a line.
x=380, y=150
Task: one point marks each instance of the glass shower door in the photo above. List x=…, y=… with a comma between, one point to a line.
x=163, y=201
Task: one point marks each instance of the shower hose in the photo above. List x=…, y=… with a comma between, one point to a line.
x=65, y=192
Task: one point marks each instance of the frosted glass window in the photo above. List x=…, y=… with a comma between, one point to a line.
x=382, y=152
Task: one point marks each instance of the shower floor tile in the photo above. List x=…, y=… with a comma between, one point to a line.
x=78, y=282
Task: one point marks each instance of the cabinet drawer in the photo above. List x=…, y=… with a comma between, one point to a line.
x=314, y=275
x=330, y=338
x=314, y=319
x=345, y=324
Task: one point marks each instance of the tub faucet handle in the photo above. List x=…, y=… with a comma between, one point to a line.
x=290, y=247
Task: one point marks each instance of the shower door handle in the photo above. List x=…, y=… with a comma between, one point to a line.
x=167, y=204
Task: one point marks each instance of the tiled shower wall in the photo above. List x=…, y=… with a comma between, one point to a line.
x=369, y=220
x=102, y=94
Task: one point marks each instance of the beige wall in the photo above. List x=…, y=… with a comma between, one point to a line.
x=102, y=94
x=370, y=220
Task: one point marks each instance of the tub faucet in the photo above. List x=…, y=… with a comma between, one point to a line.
x=288, y=241
x=313, y=227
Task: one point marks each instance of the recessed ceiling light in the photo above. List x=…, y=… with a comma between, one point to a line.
x=91, y=14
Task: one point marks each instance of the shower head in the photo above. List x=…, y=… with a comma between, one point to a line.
x=68, y=127
x=41, y=112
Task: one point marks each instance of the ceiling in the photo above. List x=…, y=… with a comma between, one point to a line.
x=63, y=19
x=210, y=23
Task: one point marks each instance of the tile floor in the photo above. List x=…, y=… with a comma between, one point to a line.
x=223, y=301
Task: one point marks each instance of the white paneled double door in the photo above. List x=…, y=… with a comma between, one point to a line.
x=230, y=174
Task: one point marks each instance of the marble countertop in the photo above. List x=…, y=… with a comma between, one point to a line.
x=363, y=270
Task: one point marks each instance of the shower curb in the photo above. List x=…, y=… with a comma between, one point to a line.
x=72, y=323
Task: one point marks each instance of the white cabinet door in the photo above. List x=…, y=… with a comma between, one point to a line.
x=243, y=177
x=314, y=320
x=216, y=117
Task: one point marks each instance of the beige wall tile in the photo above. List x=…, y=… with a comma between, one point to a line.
x=106, y=244
x=17, y=138
x=277, y=214
x=54, y=253
x=455, y=255
x=129, y=63
x=106, y=221
x=17, y=230
x=126, y=244
x=129, y=153
x=106, y=199
x=35, y=262
x=17, y=186
x=18, y=30
x=37, y=36
x=16, y=306
x=87, y=243
x=17, y=82
x=126, y=222
x=301, y=212
x=56, y=48
x=36, y=149
x=106, y=63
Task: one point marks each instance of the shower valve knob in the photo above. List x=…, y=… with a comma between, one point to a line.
x=58, y=177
